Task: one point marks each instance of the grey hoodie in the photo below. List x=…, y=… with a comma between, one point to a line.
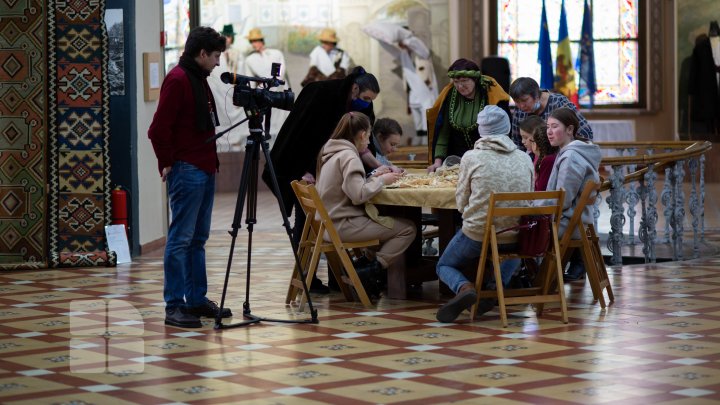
x=575, y=164
x=494, y=165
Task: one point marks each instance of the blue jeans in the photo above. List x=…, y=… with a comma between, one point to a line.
x=191, y=192
x=460, y=251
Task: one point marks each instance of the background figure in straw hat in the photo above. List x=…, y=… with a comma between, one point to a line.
x=230, y=61
x=327, y=61
x=259, y=63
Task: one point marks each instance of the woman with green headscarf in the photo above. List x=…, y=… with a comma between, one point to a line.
x=452, y=121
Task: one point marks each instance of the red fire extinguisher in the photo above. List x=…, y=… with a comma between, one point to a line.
x=120, y=207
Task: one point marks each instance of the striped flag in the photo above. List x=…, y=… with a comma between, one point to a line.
x=586, y=59
x=564, y=65
x=544, y=54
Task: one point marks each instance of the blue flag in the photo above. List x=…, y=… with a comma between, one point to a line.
x=586, y=59
x=544, y=54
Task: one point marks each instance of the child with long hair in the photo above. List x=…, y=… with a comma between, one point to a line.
x=533, y=133
x=344, y=189
x=576, y=163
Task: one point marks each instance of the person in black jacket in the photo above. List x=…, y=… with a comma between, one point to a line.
x=703, y=88
x=316, y=112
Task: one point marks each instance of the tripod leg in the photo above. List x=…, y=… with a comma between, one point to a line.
x=248, y=193
x=239, y=204
x=251, y=217
x=286, y=224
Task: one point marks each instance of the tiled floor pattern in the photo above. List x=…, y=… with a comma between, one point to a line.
x=96, y=336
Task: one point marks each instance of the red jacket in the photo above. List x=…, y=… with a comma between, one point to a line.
x=543, y=175
x=173, y=131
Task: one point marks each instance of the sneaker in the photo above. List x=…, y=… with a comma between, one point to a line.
x=209, y=310
x=575, y=272
x=178, y=317
x=361, y=261
x=450, y=311
x=371, y=277
x=317, y=287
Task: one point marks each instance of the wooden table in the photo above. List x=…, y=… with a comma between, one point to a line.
x=408, y=203
x=414, y=199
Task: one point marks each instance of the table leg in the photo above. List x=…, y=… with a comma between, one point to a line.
x=413, y=268
x=397, y=279
x=446, y=228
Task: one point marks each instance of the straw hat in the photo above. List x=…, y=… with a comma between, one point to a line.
x=328, y=35
x=228, y=31
x=255, y=35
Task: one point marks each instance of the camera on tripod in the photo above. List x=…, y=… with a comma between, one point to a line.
x=260, y=97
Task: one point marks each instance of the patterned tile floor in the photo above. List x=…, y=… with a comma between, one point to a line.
x=96, y=336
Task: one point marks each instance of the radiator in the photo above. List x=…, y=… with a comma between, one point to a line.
x=613, y=130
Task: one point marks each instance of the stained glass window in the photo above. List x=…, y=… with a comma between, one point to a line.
x=615, y=36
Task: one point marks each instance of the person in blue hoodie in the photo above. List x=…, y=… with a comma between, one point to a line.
x=576, y=163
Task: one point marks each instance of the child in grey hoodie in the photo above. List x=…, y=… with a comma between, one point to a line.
x=576, y=163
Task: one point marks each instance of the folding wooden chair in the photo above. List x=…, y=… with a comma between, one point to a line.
x=589, y=245
x=540, y=293
x=312, y=243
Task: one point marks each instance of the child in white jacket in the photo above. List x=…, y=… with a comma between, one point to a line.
x=494, y=165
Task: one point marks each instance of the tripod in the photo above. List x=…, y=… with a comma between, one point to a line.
x=248, y=192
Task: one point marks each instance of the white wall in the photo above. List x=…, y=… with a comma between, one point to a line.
x=153, y=203
x=153, y=214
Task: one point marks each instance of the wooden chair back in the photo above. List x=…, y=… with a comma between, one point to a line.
x=318, y=225
x=589, y=193
x=431, y=117
x=509, y=205
x=589, y=244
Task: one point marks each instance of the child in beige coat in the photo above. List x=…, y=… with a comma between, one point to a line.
x=344, y=189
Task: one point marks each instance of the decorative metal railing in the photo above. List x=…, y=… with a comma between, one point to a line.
x=634, y=172
x=632, y=179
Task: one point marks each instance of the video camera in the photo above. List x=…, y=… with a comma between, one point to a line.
x=261, y=97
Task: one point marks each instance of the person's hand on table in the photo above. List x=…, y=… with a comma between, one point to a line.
x=434, y=166
x=309, y=178
x=390, y=177
x=380, y=171
x=396, y=169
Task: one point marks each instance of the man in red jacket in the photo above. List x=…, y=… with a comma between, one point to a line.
x=185, y=118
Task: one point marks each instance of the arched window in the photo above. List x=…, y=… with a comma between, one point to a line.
x=617, y=34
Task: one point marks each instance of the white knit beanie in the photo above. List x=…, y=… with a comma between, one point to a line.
x=492, y=120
